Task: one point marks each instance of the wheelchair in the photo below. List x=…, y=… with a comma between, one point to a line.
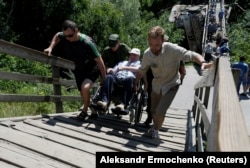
x=134, y=107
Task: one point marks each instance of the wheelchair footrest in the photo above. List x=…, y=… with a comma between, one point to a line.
x=120, y=112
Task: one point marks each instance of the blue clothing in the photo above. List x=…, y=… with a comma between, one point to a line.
x=126, y=73
x=243, y=71
x=220, y=15
x=124, y=79
x=224, y=49
x=247, y=82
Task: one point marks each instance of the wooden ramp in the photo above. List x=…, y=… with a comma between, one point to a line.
x=58, y=140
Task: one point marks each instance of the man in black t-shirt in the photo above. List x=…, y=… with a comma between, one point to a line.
x=80, y=49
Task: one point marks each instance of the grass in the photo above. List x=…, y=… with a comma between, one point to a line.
x=17, y=109
x=29, y=109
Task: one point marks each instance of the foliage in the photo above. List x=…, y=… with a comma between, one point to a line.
x=19, y=65
x=239, y=38
x=99, y=20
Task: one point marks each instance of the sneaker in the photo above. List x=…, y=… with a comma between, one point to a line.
x=102, y=104
x=82, y=116
x=120, y=107
x=155, y=134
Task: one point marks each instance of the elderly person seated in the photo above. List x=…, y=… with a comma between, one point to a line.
x=123, y=74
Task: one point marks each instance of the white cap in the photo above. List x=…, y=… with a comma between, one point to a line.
x=135, y=51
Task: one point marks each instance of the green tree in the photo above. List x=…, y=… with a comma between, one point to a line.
x=239, y=36
x=99, y=20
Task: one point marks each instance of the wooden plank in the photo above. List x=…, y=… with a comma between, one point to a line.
x=113, y=138
x=199, y=140
x=15, y=76
x=56, y=151
x=20, y=160
x=177, y=122
x=191, y=139
x=203, y=112
x=61, y=139
x=28, y=53
x=126, y=134
x=35, y=98
x=167, y=125
x=7, y=165
x=119, y=126
x=227, y=123
x=22, y=118
x=109, y=122
x=15, y=152
x=82, y=134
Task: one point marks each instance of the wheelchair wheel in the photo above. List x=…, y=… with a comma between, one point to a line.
x=139, y=107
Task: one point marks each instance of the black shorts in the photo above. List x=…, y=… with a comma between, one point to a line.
x=81, y=75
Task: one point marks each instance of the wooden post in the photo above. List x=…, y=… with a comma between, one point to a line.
x=57, y=89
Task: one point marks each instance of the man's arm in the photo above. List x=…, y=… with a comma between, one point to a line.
x=128, y=68
x=200, y=60
x=140, y=76
x=54, y=42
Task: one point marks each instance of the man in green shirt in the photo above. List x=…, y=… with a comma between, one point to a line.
x=81, y=49
x=115, y=52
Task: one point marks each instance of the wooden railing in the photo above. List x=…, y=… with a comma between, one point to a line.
x=219, y=121
x=55, y=80
x=218, y=116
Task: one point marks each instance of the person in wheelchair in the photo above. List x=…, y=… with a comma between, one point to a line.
x=122, y=75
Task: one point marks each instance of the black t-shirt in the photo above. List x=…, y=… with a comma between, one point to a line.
x=82, y=52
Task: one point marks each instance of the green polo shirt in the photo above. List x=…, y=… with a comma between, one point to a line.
x=111, y=58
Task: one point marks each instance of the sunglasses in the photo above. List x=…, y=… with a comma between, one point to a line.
x=69, y=36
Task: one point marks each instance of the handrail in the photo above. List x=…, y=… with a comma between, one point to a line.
x=56, y=62
x=228, y=131
x=224, y=129
x=28, y=53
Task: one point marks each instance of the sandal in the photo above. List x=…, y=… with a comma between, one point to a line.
x=82, y=116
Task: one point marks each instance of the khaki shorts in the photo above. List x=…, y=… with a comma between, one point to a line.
x=161, y=103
